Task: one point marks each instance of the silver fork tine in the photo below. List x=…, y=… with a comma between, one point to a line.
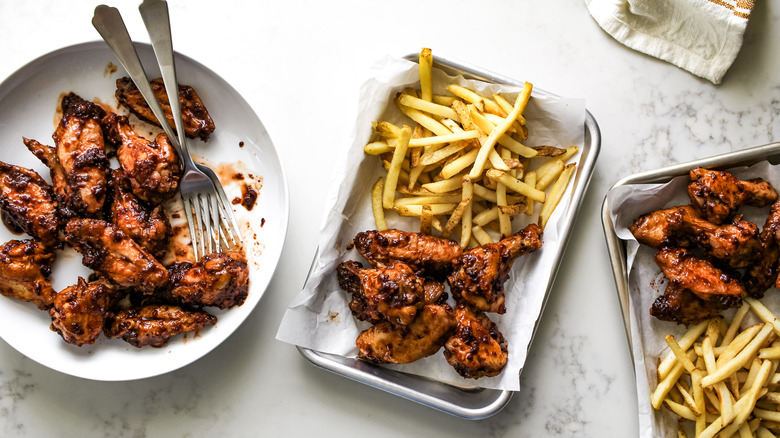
x=191, y=224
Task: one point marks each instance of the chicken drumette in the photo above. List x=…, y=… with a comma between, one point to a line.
x=684, y=307
x=155, y=324
x=68, y=200
x=392, y=293
x=110, y=252
x=762, y=274
x=717, y=194
x=389, y=343
x=153, y=169
x=426, y=255
x=25, y=271
x=477, y=348
x=81, y=153
x=196, y=119
x=479, y=274
x=736, y=243
x=79, y=311
x=219, y=279
x=686, y=271
x=147, y=226
x=27, y=203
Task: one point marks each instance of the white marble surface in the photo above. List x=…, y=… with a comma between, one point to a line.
x=299, y=64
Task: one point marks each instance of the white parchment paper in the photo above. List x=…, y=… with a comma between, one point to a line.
x=646, y=282
x=319, y=317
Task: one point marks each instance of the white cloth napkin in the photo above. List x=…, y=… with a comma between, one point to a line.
x=701, y=36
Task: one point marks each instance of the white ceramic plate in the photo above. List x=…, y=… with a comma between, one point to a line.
x=28, y=101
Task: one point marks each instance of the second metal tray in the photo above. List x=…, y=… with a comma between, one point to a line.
x=469, y=402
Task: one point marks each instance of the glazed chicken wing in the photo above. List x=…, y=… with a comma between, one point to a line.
x=737, y=243
x=477, y=348
x=479, y=274
x=425, y=254
x=110, y=252
x=684, y=307
x=394, y=294
x=390, y=343
x=79, y=311
x=762, y=274
x=27, y=203
x=219, y=279
x=25, y=270
x=687, y=271
x=152, y=168
x=68, y=200
x=147, y=226
x=155, y=324
x=196, y=119
x=81, y=153
x=717, y=195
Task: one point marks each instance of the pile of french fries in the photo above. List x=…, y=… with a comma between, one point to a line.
x=461, y=164
x=724, y=378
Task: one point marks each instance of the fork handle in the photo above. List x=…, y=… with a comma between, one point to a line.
x=108, y=22
x=158, y=25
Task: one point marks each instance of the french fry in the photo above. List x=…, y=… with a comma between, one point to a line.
x=377, y=148
x=552, y=173
x=426, y=80
x=417, y=210
x=515, y=185
x=388, y=194
x=556, y=193
x=467, y=95
x=376, y=204
x=426, y=219
x=481, y=235
x=530, y=179
x=465, y=220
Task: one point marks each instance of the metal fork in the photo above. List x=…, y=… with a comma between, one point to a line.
x=212, y=226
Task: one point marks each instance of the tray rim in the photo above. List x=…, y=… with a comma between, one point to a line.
x=584, y=173
x=617, y=247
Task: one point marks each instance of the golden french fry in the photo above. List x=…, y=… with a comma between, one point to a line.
x=516, y=185
x=388, y=194
x=444, y=198
x=740, y=359
x=490, y=142
x=467, y=95
x=508, y=142
x=443, y=186
x=465, y=220
x=453, y=168
x=530, y=179
x=481, y=235
x=426, y=79
x=456, y=215
x=417, y=210
x=425, y=120
x=556, y=193
x=426, y=220
x=426, y=106
x=438, y=155
x=377, y=148
x=376, y=204
x=549, y=173
x=444, y=100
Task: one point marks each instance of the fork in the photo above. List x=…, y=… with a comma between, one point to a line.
x=212, y=226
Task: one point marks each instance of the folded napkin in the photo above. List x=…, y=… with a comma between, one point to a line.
x=701, y=36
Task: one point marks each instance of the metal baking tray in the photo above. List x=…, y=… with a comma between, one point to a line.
x=617, y=246
x=466, y=401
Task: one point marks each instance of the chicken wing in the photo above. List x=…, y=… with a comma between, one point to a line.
x=479, y=274
x=717, y=195
x=196, y=119
x=426, y=255
x=762, y=274
x=79, y=311
x=110, y=252
x=68, y=200
x=155, y=324
x=152, y=168
x=25, y=271
x=394, y=293
x=147, y=226
x=687, y=271
x=736, y=243
x=81, y=152
x=684, y=307
x=27, y=203
x=477, y=348
x=390, y=343
x=219, y=279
